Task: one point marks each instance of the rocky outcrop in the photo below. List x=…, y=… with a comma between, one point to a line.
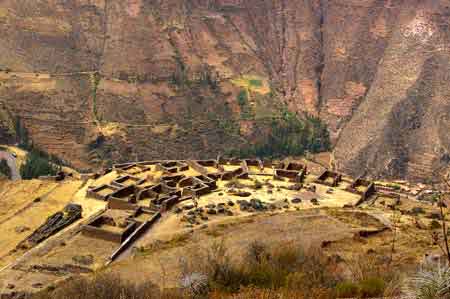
x=97, y=80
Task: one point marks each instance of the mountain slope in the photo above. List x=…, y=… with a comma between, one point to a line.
x=107, y=79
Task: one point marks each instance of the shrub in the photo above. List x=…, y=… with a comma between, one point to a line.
x=264, y=273
x=242, y=98
x=221, y=272
x=347, y=290
x=286, y=267
x=255, y=82
x=37, y=164
x=371, y=287
x=429, y=283
x=103, y=286
x=257, y=252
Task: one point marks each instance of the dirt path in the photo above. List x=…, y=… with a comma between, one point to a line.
x=11, y=161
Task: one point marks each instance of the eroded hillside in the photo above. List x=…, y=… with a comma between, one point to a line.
x=106, y=79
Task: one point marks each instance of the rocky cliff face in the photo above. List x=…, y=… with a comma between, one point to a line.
x=94, y=79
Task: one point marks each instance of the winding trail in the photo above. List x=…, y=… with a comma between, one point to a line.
x=11, y=161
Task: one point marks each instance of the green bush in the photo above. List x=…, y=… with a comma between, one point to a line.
x=371, y=287
x=242, y=99
x=347, y=289
x=38, y=164
x=255, y=82
x=367, y=288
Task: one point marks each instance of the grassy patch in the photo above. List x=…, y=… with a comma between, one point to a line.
x=368, y=288
x=252, y=83
x=255, y=82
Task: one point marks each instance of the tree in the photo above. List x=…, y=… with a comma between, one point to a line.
x=290, y=135
x=38, y=164
x=22, y=135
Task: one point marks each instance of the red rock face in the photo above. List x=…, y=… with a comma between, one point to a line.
x=158, y=77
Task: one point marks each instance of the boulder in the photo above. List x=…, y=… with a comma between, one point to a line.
x=192, y=219
x=296, y=200
x=295, y=187
x=257, y=204
x=211, y=211
x=188, y=207
x=21, y=229
x=311, y=188
x=314, y=201
x=242, y=193
x=243, y=205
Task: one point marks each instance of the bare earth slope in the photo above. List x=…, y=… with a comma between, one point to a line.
x=94, y=79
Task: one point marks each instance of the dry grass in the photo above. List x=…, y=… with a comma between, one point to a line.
x=263, y=272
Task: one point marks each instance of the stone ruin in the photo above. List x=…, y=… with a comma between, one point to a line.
x=114, y=227
x=54, y=224
x=293, y=171
x=362, y=187
x=145, y=190
x=329, y=178
x=182, y=180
